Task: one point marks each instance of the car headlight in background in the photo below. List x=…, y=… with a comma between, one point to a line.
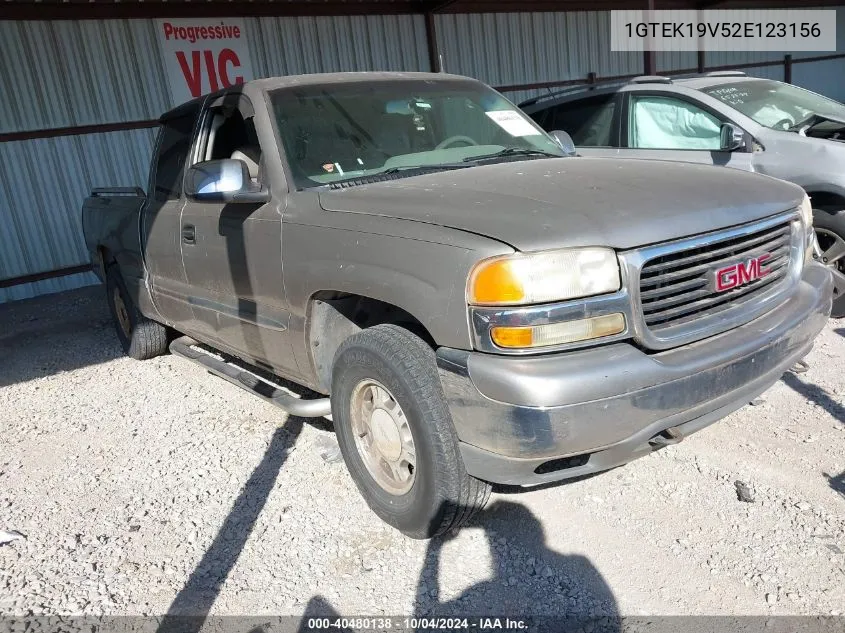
x=806, y=212
x=529, y=278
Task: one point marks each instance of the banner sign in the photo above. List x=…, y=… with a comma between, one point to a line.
x=203, y=55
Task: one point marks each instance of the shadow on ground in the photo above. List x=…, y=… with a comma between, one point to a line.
x=557, y=592
x=55, y=333
x=527, y=578
x=837, y=482
x=206, y=581
x=553, y=585
x=819, y=396
x=815, y=394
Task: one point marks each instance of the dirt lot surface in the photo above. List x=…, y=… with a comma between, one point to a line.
x=154, y=487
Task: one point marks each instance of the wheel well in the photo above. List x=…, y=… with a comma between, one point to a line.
x=827, y=201
x=106, y=259
x=333, y=317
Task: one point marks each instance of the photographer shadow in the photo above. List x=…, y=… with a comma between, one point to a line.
x=530, y=583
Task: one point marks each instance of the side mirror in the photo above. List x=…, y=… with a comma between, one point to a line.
x=732, y=137
x=226, y=180
x=565, y=141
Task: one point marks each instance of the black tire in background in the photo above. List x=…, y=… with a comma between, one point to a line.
x=140, y=337
x=830, y=232
x=442, y=496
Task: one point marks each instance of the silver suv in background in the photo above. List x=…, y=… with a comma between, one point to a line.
x=722, y=118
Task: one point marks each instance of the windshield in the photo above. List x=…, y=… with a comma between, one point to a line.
x=334, y=133
x=774, y=104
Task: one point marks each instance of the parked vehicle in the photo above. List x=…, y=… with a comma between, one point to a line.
x=470, y=304
x=722, y=118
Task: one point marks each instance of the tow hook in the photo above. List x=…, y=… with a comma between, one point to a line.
x=667, y=437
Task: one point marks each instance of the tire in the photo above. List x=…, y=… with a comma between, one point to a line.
x=140, y=337
x=442, y=496
x=830, y=226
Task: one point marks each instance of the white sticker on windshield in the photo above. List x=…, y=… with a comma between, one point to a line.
x=513, y=123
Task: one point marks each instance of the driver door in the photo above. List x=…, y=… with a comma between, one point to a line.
x=232, y=250
x=665, y=126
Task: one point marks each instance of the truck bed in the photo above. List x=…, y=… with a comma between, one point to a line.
x=110, y=221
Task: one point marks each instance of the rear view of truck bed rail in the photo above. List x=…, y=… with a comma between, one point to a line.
x=117, y=191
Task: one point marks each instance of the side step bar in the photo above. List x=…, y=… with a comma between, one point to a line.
x=187, y=347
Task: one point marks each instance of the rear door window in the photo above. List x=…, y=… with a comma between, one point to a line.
x=590, y=121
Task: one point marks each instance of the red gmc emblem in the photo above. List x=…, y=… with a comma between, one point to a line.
x=741, y=273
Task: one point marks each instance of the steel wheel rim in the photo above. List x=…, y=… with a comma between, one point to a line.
x=122, y=313
x=383, y=437
x=832, y=248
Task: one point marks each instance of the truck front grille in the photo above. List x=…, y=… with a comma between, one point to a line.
x=700, y=286
x=680, y=287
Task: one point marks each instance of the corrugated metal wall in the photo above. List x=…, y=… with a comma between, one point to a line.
x=86, y=72
x=42, y=184
x=69, y=73
x=290, y=46
x=89, y=72
x=505, y=49
x=81, y=72
x=825, y=77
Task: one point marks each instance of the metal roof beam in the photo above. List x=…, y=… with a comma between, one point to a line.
x=104, y=10
x=441, y=5
x=128, y=9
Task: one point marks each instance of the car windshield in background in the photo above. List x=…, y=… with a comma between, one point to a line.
x=341, y=132
x=774, y=104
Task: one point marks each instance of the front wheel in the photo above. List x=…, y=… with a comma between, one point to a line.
x=396, y=433
x=830, y=232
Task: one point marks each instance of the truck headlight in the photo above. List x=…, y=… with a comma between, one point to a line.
x=526, y=337
x=527, y=278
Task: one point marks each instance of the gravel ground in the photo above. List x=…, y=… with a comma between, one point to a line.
x=154, y=487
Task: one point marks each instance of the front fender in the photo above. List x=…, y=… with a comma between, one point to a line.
x=813, y=164
x=426, y=279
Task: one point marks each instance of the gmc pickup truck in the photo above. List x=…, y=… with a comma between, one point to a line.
x=467, y=301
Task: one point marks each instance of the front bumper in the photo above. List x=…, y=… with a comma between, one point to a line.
x=530, y=420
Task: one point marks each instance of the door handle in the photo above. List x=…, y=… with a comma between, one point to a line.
x=189, y=234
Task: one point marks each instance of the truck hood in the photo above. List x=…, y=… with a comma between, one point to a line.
x=551, y=203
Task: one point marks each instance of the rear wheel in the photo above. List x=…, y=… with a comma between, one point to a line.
x=140, y=337
x=396, y=433
x=830, y=232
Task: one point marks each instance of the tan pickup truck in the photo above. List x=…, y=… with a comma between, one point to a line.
x=470, y=303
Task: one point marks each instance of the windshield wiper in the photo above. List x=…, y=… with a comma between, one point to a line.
x=512, y=151
x=421, y=168
x=390, y=173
